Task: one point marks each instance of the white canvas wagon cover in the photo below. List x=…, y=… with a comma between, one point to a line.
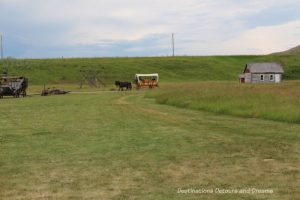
x=147, y=75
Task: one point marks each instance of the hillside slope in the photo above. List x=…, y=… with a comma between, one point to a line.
x=171, y=69
x=292, y=51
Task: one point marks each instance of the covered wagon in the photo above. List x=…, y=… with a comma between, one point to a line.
x=146, y=80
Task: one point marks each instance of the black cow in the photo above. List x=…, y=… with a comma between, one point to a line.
x=123, y=85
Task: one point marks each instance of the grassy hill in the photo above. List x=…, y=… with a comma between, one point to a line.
x=292, y=51
x=171, y=69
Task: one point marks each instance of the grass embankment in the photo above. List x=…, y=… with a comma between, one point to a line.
x=119, y=145
x=170, y=69
x=280, y=102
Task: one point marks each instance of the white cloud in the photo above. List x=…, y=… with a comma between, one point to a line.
x=200, y=26
x=265, y=40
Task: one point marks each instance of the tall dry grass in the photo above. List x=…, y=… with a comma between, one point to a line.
x=279, y=102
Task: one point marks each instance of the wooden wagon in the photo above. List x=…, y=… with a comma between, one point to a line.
x=146, y=80
x=13, y=86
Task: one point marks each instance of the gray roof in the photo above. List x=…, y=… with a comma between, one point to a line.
x=264, y=68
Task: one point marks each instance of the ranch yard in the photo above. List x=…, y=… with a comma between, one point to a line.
x=121, y=145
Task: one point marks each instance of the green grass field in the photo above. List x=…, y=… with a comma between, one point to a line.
x=199, y=130
x=170, y=69
x=120, y=145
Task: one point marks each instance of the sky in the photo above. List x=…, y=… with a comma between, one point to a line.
x=120, y=28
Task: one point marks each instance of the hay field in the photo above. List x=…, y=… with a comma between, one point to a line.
x=278, y=102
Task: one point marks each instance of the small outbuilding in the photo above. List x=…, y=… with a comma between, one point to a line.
x=262, y=73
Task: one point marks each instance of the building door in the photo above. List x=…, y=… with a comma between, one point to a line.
x=277, y=78
x=242, y=80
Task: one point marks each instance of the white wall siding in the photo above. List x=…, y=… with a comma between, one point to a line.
x=256, y=78
x=247, y=78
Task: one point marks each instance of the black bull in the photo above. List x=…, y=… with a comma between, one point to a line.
x=123, y=85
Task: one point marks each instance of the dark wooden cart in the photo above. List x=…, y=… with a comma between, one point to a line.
x=15, y=86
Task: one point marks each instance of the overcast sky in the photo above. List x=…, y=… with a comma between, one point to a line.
x=98, y=28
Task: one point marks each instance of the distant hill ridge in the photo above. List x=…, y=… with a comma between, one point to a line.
x=170, y=69
x=292, y=51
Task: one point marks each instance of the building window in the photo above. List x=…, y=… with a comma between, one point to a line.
x=261, y=77
x=271, y=77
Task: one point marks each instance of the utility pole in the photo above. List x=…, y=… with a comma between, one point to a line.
x=1, y=47
x=173, y=44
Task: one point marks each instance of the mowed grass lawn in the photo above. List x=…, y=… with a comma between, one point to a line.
x=120, y=145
